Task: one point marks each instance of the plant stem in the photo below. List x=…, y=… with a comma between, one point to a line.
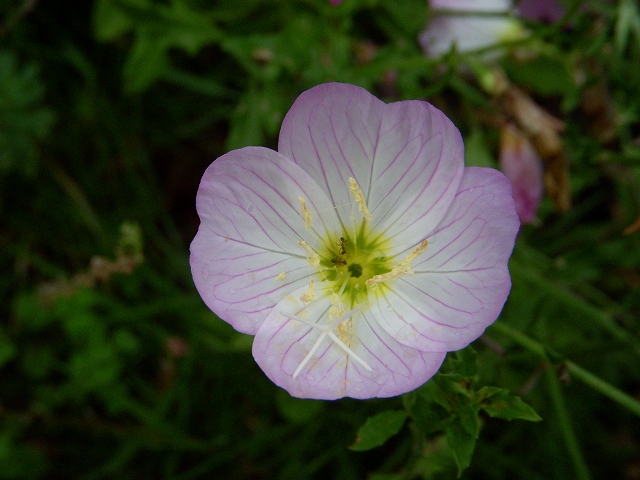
x=578, y=372
x=603, y=387
x=604, y=320
x=564, y=423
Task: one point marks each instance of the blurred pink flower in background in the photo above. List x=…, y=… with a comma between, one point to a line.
x=549, y=11
x=452, y=23
x=523, y=167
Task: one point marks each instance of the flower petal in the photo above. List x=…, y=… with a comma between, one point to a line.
x=407, y=157
x=497, y=6
x=461, y=281
x=282, y=344
x=549, y=11
x=246, y=256
x=468, y=33
x=520, y=162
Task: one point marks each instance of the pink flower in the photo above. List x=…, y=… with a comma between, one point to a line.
x=523, y=167
x=453, y=23
x=359, y=253
x=542, y=10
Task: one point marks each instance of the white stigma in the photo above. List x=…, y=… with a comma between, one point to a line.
x=326, y=331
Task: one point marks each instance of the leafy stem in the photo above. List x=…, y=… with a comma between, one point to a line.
x=595, y=382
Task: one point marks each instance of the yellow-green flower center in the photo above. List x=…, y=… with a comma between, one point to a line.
x=350, y=258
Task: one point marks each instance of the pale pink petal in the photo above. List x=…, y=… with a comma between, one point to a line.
x=407, y=157
x=471, y=5
x=461, y=281
x=246, y=257
x=281, y=344
x=523, y=167
x=467, y=33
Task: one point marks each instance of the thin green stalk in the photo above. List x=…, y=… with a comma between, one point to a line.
x=578, y=372
x=205, y=86
x=564, y=423
x=74, y=192
x=603, y=387
x=604, y=320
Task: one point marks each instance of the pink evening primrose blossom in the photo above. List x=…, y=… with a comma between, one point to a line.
x=549, y=11
x=523, y=167
x=469, y=25
x=359, y=253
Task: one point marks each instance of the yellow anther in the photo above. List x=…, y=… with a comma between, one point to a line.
x=415, y=253
x=403, y=268
x=312, y=256
x=310, y=294
x=394, y=273
x=359, y=198
x=345, y=331
x=306, y=214
x=281, y=276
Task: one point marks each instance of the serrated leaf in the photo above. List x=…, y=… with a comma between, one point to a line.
x=428, y=417
x=499, y=403
x=378, y=429
x=469, y=419
x=462, y=445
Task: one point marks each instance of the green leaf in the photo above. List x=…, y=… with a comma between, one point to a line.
x=157, y=29
x=19, y=460
x=468, y=416
x=297, y=410
x=627, y=23
x=38, y=360
x=378, y=429
x=23, y=119
x=111, y=19
x=409, y=16
x=462, y=445
x=428, y=417
x=499, y=403
x=462, y=363
x=246, y=128
x=543, y=74
x=8, y=351
x=476, y=152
